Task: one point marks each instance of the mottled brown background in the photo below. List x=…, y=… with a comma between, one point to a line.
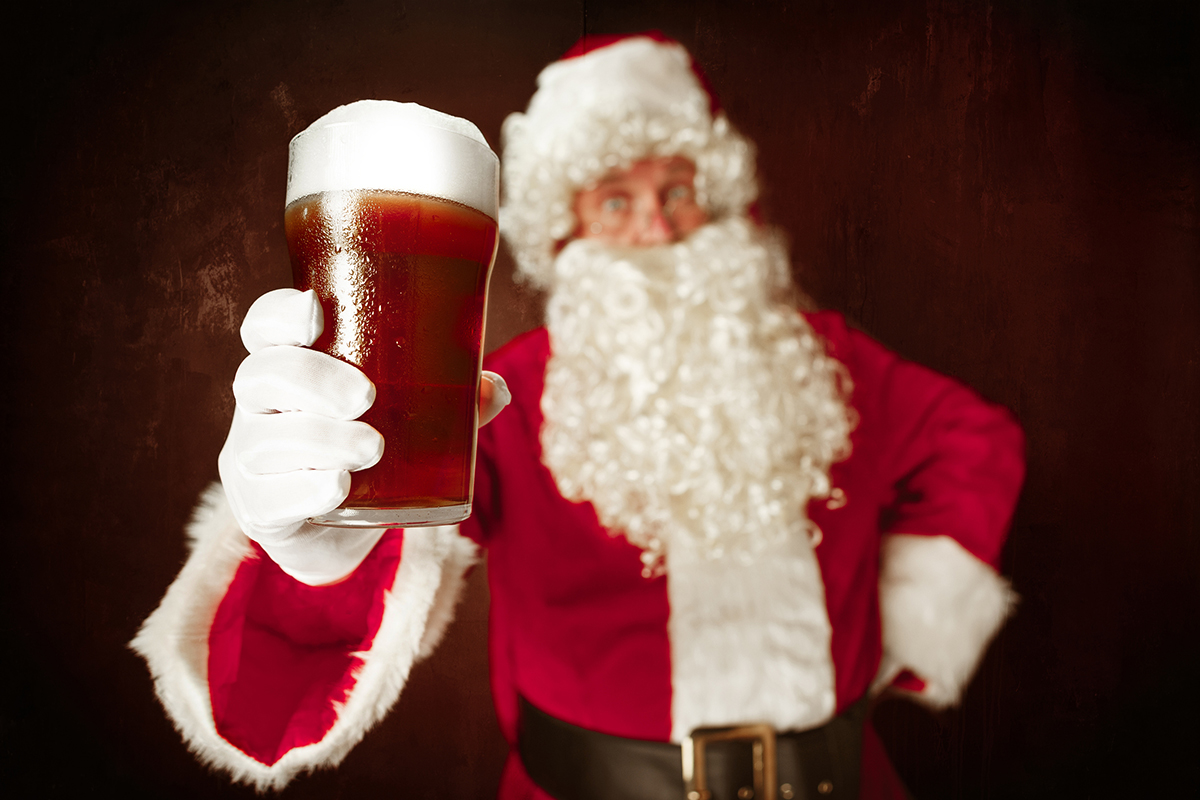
x=1004, y=191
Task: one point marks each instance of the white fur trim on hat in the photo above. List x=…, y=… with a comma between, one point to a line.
x=630, y=100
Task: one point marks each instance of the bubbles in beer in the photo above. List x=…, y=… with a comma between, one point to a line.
x=403, y=297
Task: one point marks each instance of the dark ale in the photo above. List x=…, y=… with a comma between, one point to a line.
x=403, y=282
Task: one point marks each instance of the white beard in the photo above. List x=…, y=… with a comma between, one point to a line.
x=687, y=398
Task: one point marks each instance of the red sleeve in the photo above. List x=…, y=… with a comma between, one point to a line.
x=266, y=677
x=937, y=462
x=283, y=654
x=955, y=461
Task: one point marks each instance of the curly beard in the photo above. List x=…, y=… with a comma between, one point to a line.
x=686, y=397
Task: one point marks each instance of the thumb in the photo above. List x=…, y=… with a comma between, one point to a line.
x=493, y=397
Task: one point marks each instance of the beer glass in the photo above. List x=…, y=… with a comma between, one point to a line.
x=391, y=219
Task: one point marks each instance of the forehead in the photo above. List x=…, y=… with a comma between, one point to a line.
x=654, y=170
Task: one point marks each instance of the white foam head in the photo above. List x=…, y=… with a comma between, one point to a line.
x=400, y=147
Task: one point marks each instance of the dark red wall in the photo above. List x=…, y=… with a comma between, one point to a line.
x=1005, y=191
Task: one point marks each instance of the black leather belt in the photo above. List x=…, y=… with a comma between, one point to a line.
x=741, y=763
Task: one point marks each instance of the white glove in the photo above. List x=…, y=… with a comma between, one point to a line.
x=294, y=441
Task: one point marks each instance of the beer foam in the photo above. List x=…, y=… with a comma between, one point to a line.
x=400, y=147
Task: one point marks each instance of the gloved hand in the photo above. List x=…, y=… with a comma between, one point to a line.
x=294, y=439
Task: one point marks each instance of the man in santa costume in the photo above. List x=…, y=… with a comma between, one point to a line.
x=710, y=512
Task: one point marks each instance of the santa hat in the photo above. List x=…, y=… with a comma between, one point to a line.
x=608, y=103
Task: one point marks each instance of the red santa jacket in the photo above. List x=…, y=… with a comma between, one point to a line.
x=266, y=677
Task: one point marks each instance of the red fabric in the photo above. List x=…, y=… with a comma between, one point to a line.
x=587, y=640
x=957, y=463
x=909, y=681
x=878, y=779
x=515, y=783
x=595, y=41
x=280, y=653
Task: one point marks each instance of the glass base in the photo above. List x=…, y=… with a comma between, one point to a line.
x=393, y=517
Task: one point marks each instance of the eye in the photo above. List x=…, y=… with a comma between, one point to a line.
x=614, y=205
x=679, y=194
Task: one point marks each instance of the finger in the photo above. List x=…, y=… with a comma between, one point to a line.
x=284, y=316
x=273, y=502
x=298, y=440
x=298, y=379
x=493, y=397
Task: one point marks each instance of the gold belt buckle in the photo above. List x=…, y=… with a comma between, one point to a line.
x=695, y=774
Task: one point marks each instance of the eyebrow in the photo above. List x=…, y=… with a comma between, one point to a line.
x=608, y=180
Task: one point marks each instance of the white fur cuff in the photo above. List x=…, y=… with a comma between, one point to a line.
x=174, y=640
x=940, y=608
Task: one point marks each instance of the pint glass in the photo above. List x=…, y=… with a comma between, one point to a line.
x=391, y=220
